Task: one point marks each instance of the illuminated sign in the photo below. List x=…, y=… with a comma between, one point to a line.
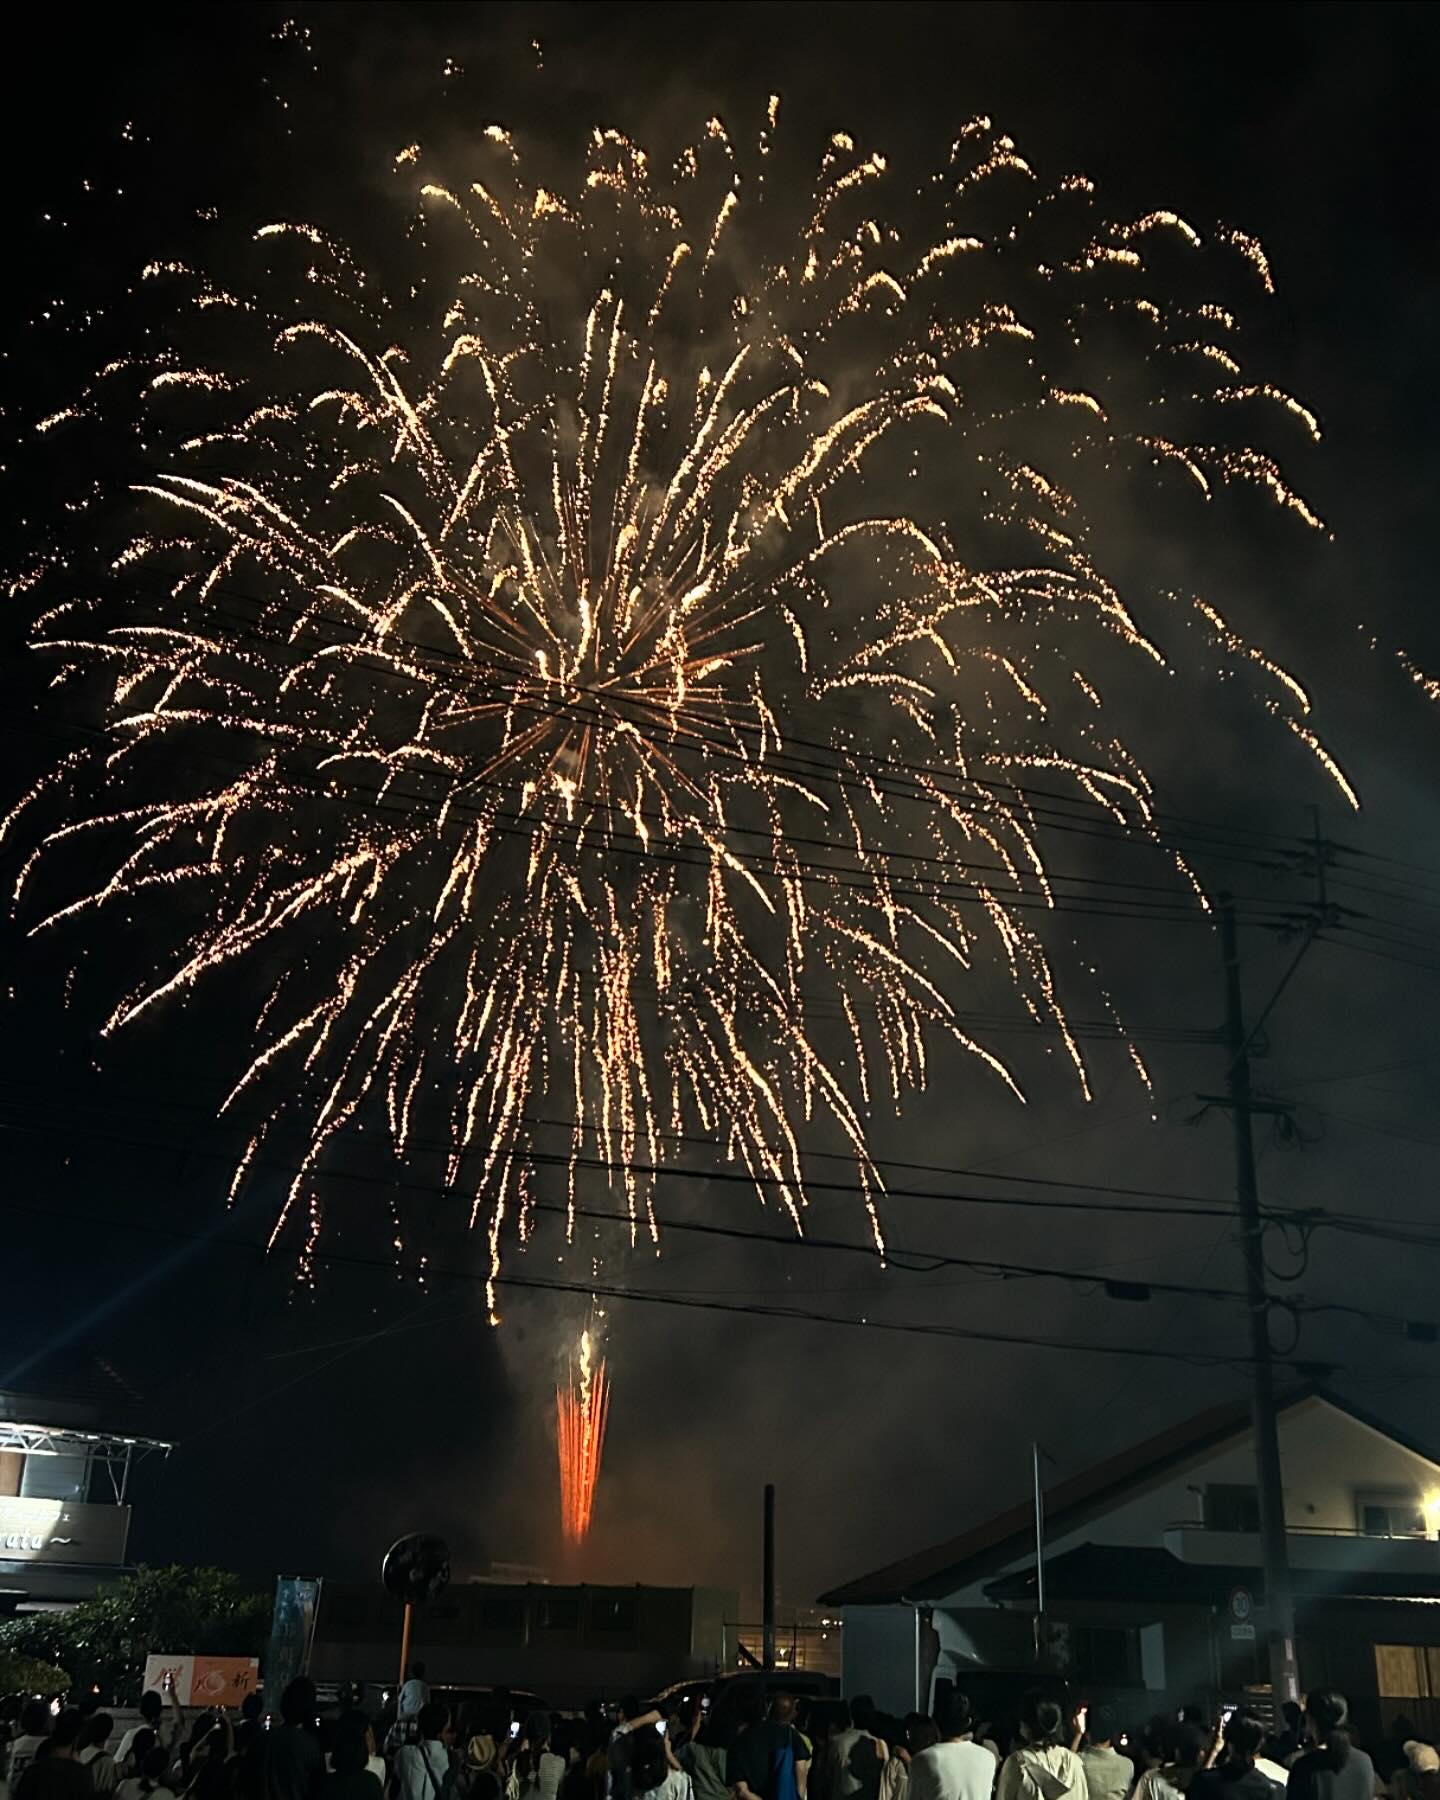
x=62, y=1531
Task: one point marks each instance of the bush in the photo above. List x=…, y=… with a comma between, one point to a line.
x=26, y=1675
x=104, y=1642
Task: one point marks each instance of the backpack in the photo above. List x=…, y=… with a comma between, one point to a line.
x=783, y=1782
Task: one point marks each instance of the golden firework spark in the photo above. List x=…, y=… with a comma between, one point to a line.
x=599, y=674
x=582, y=1407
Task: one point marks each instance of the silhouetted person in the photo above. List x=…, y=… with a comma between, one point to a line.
x=1335, y=1769
x=92, y=1754
x=353, y=1779
x=53, y=1773
x=293, y=1767
x=34, y=1731
x=769, y=1760
x=1237, y=1777
x=1043, y=1763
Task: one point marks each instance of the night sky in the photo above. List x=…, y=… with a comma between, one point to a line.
x=316, y=1425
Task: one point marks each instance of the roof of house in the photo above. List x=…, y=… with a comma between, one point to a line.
x=1093, y=1572
x=74, y=1388
x=989, y=1545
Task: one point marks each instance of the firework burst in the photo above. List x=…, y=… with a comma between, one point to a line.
x=582, y=1407
x=598, y=673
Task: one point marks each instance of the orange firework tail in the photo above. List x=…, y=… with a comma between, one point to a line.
x=581, y=1409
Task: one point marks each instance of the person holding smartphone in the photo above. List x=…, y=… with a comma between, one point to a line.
x=167, y=1726
x=1235, y=1776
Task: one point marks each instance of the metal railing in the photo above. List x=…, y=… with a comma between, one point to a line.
x=814, y=1649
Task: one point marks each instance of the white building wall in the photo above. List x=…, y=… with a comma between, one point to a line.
x=879, y=1656
x=1327, y=1461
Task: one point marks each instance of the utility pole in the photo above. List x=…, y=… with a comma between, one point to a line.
x=767, y=1582
x=1279, y=1601
x=1042, y=1622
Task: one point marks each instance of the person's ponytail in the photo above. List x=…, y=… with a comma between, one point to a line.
x=1330, y=1715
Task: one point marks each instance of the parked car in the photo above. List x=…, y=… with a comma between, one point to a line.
x=464, y=1701
x=720, y=1693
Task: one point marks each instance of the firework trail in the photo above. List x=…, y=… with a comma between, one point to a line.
x=582, y=1407
x=598, y=673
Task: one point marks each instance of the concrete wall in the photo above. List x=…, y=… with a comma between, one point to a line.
x=568, y=1644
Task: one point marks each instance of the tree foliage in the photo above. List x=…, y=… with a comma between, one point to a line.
x=27, y=1675
x=104, y=1642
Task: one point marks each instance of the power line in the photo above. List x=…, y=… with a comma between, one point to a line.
x=1041, y=802
x=729, y=1177
x=592, y=1290
x=912, y=1260
x=397, y=801
x=1187, y=1202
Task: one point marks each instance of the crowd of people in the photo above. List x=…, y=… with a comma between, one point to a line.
x=1047, y=1754
x=761, y=1747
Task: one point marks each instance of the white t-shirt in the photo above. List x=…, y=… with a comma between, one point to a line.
x=620, y=1731
x=675, y=1786
x=1155, y=1784
x=166, y=1729
x=22, y=1754
x=853, y=1765
x=135, y=1789
x=543, y=1781
x=101, y=1765
x=420, y=1769
x=952, y=1771
x=1108, y=1774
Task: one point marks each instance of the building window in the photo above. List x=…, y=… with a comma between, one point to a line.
x=1230, y=1507
x=613, y=1612
x=557, y=1612
x=1390, y=1515
x=503, y=1613
x=1407, y=1672
x=1106, y=1653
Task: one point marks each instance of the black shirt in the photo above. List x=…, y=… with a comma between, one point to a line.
x=354, y=1784
x=1312, y=1778
x=293, y=1766
x=55, y=1778
x=1231, y=1782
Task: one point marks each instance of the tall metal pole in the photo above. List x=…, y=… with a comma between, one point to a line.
x=404, y=1653
x=768, y=1581
x=1042, y=1624
x=1279, y=1601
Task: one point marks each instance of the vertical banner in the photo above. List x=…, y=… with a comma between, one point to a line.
x=292, y=1630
